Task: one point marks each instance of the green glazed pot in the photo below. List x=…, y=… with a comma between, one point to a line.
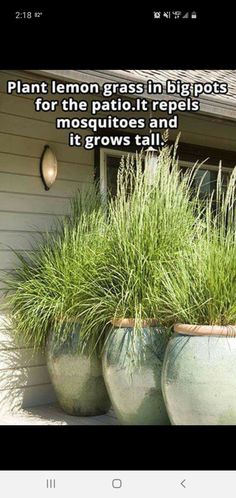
x=136, y=397
x=199, y=375
x=77, y=378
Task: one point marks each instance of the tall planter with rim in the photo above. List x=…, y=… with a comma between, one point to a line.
x=76, y=375
x=199, y=372
x=149, y=222
x=136, y=395
x=44, y=295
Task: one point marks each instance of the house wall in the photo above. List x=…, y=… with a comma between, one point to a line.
x=26, y=209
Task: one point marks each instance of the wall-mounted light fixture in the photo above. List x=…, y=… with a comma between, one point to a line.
x=48, y=167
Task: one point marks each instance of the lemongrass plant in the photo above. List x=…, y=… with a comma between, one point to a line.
x=150, y=223
x=200, y=288
x=43, y=292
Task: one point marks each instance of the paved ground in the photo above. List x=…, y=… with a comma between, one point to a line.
x=53, y=415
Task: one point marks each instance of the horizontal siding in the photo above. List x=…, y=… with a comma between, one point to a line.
x=36, y=203
x=23, y=377
x=22, y=105
x=33, y=147
x=26, y=211
x=15, y=399
x=9, y=260
x=26, y=184
x=29, y=166
x=33, y=128
x=9, y=341
x=28, y=222
x=24, y=357
x=38, y=395
x=19, y=240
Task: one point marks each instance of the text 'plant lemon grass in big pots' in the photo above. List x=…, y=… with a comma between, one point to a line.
x=44, y=300
x=199, y=373
x=149, y=223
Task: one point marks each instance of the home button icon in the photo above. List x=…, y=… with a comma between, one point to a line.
x=117, y=483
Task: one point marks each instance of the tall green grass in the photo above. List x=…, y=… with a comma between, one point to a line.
x=150, y=223
x=43, y=292
x=199, y=287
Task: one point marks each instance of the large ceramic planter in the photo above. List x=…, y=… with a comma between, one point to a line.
x=199, y=375
x=136, y=397
x=77, y=378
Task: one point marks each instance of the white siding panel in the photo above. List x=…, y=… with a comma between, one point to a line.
x=33, y=147
x=18, y=240
x=23, y=377
x=10, y=182
x=38, y=395
x=27, y=222
x=9, y=260
x=24, y=165
x=18, y=358
x=14, y=399
x=23, y=106
x=8, y=339
x=33, y=128
x=20, y=202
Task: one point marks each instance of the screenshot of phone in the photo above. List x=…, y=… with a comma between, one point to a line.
x=117, y=251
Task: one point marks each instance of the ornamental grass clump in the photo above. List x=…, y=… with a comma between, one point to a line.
x=200, y=288
x=151, y=221
x=43, y=292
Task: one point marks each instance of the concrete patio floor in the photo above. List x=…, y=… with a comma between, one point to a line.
x=52, y=414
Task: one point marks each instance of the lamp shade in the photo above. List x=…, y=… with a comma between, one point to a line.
x=150, y=163
x=48, y=167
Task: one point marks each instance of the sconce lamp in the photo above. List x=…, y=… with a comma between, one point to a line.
x=48, y=167
x=151, y=155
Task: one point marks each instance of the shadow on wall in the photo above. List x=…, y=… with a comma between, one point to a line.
x=24, y=379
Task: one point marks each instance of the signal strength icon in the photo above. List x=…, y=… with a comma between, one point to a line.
x=186, y=16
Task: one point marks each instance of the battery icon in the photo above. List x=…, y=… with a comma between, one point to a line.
x=194, y=15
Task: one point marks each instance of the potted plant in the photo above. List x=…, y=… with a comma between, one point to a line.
x=199, y=372
x=44, y=302
x=149, y=223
